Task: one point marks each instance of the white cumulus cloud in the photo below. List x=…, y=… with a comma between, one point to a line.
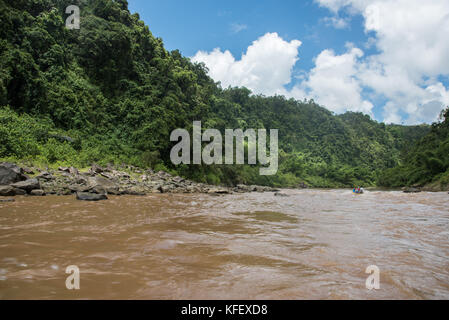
x=412, y=56
x=266, y=66
x=411, y=36
x=333, y=82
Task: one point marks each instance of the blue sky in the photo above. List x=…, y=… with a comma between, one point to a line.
x=342, y=62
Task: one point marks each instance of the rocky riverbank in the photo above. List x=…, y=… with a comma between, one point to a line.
x=96, y=183
x=431, y=187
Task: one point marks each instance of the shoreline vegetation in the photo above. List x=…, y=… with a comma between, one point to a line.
x=110, y=93
x=96, y=183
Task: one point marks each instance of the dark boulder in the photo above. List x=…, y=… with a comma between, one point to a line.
x=7, y=191
x=135, y=191
x=83, y=196
x=101, y=181
x=164, y=189
x=79, y=188
x=102, y=185
x=27, y=185
x=114, y=191
x=278, y=194
x=412, y=190
x=10, y=173
x=37, y=192
x=45, y=176
x=178, y=179
x=106, y=175
x=132, y=192
x=266, y=189
x=19, y=192
x=7, y=200
x=243, y=188
x=218, y=191
x=64, y=192
x=163, y=175
x=98, y=190
x=95, y=169
x=79, y=179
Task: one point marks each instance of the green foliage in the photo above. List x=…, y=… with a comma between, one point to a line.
x=118, y=94
x=20, y=136
x=425, y=162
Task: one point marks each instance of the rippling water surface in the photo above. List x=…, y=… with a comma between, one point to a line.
x=314, y=244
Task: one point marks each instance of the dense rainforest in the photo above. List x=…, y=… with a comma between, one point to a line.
x=426, y=164
x=111, y=93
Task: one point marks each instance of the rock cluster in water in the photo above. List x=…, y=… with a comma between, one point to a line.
x=412, y=190
x=98, y=182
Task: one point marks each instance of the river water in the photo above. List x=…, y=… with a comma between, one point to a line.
x=315, y=244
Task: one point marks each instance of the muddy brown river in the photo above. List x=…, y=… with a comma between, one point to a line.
x=315, y=244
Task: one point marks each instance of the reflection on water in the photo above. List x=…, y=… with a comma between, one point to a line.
x=314, y=244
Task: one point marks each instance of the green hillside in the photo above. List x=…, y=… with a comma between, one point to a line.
x=111, y=93
x=427, y=162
